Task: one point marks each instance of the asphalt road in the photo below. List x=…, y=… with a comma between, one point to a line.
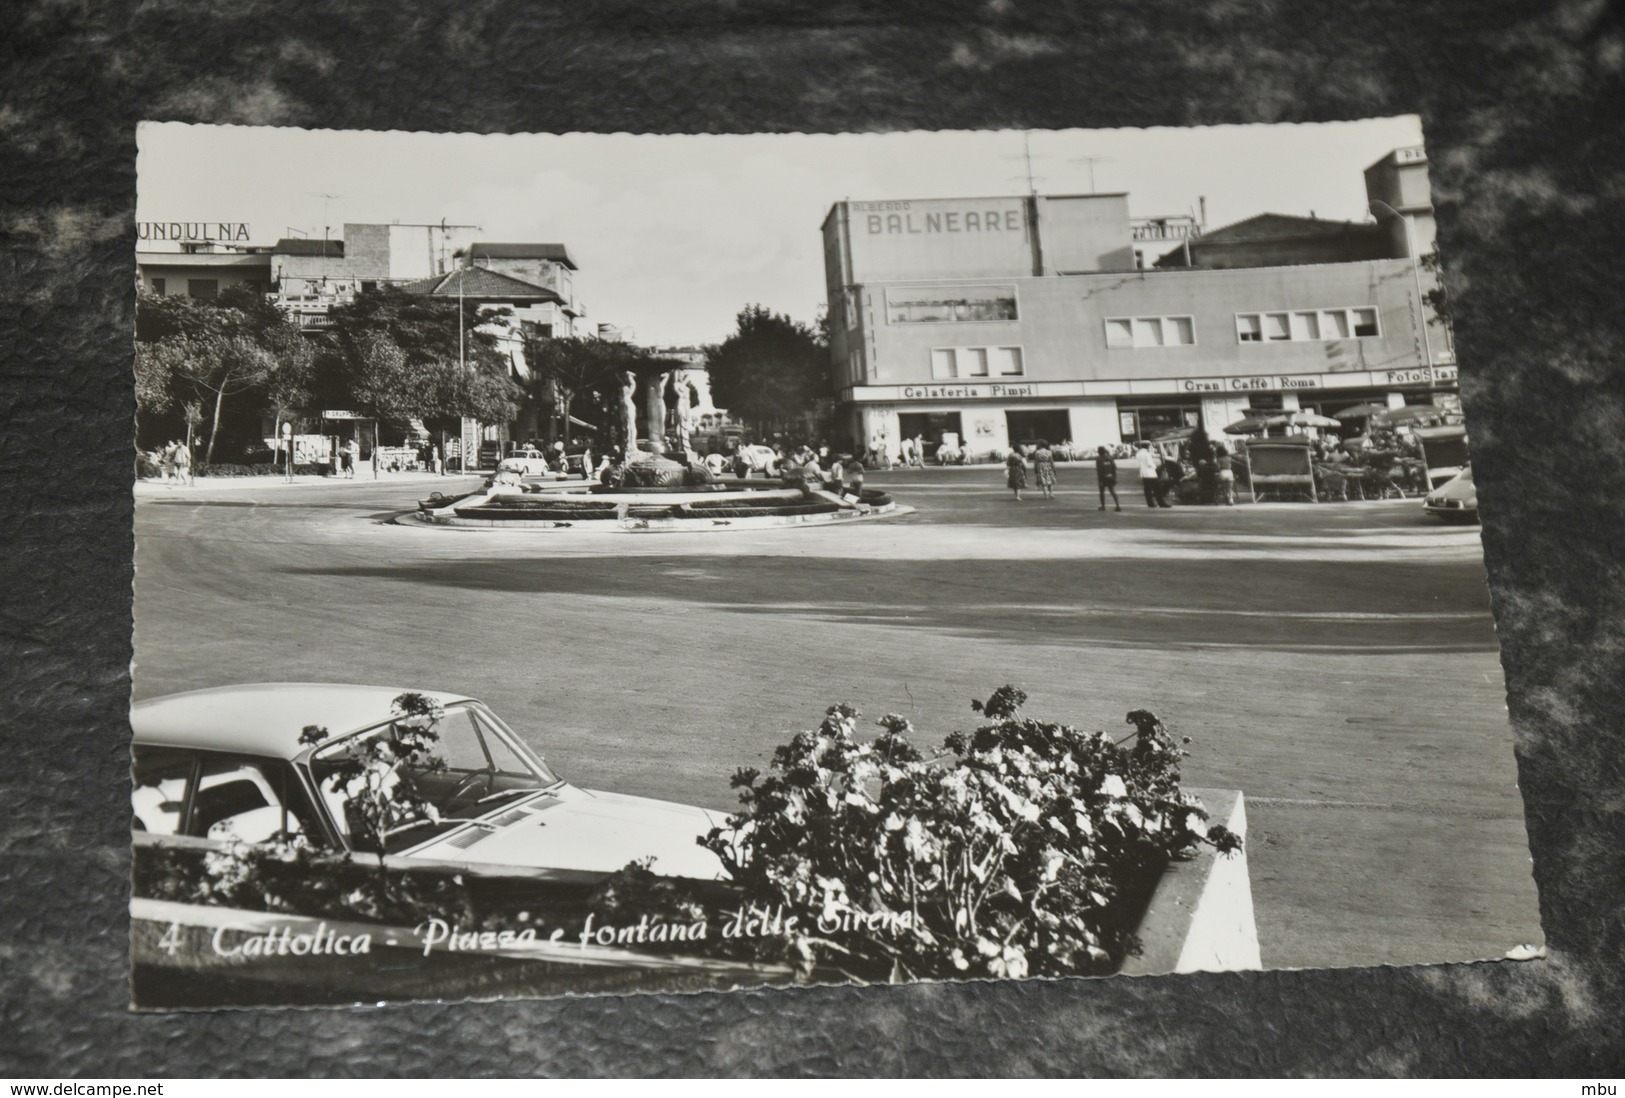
x=1336, y=662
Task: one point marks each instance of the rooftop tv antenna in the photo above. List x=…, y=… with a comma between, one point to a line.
x=445, y=228
x=1091, y=161
x=326, y=200
x=1027, y=161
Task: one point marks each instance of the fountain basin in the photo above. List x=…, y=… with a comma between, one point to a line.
x=688, y=507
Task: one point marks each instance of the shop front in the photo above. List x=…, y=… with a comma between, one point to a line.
x=991, y=418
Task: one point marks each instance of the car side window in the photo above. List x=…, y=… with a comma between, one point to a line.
x=248, y=799
x=227, y=788
x=160, y=785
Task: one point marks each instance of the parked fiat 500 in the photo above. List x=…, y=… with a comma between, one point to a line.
x=240, y=762
x=527, y=462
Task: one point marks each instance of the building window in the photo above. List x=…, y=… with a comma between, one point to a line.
x=1308, y=326
x=1150, y=331
x=950, y=304
x=158, y=286
x=204, y=289
x=972, y=363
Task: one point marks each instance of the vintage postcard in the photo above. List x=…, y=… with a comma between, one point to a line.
x=615, y=563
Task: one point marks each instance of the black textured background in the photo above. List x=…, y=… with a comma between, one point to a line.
x=1522, y=106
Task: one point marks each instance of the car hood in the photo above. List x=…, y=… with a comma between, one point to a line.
x=1460, y=487
x=578, y=829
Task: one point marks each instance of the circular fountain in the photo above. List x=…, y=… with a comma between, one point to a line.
x=651, y=492
x=738, y=503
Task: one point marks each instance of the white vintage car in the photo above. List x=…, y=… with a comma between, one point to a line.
x=1456, y=500
x=526, y=462
x=235, y=762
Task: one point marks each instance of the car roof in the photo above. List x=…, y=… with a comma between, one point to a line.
x=265, y=718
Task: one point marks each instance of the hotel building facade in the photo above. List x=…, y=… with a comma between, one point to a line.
x=995, y=321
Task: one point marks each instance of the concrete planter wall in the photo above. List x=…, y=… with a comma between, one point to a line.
x=1200, y=918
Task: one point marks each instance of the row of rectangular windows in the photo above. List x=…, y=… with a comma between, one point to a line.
x=1305, y=326
x=972, y=304
x=950, y=363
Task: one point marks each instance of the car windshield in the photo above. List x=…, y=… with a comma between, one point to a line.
x=474, y=767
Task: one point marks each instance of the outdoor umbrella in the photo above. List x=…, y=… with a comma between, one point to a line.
x=1410, y=413
x=1249, y=426
x=1301, y=419
x=1176, y=433
x=1362, y=411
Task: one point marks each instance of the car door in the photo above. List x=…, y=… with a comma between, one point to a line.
x=219, y=795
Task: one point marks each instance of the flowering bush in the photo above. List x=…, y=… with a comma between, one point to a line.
x=1024, y=848
x=378, y=797
x=287, y=875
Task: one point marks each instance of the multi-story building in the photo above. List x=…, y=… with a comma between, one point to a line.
x=199, y=259
x=546, y=265
x=312, y=276
x=996, y=321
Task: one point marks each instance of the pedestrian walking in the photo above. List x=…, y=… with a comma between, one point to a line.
x=1015, y=473
x=1106, y=477
x=1226, y=474
x=1044, y=468
x=166, y=462
x=919, y=451
x=183, y=464
x=436, y=462
x=1150, y=473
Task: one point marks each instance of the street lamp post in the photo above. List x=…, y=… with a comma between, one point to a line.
x=1416, y=272
x=462, y=367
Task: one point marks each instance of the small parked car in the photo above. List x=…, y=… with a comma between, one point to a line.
x=528, y=462
x=1456, y=500
x=763, y=460
x=236, y=763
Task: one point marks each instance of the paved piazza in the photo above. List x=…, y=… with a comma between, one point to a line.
x=1337, y=662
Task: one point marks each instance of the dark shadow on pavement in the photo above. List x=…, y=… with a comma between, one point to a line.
x=1383, y=606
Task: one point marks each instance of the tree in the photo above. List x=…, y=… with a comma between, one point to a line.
x=154, y=376
x=398, y=355
x=204, y=352
x=576, y=369
x=772, y=370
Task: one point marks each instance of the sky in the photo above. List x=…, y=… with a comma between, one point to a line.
x=675, y=234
